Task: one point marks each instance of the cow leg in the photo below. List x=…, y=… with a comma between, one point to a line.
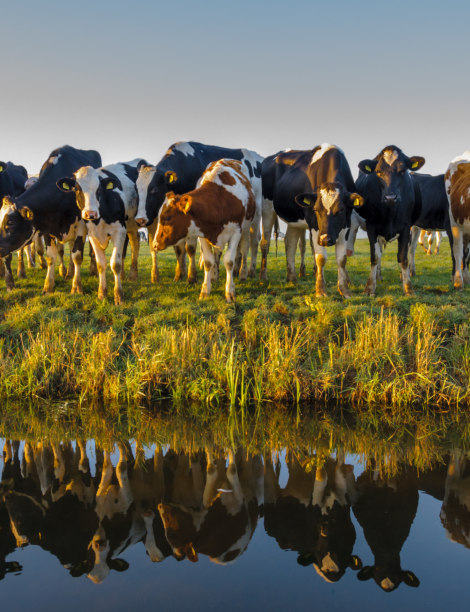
x=30, y=255
x=290, y=241
x=135, y=246
x=77, y=257
x=180, y=253
x=21, y=272
x=312, y=246
x=403, y=241
x=355, y=225
x=243, y=246
x=93, y=270
x=51, y=256
x=303, y=248
x=458, y=257
x=415, y=237
x=152, y=230
x=9, y=282
x=116, y=265
x=229, y=259
x=375, y=253
x=39, y=245
x=102, y=264
x=255, y=237
x=321, y=256
x=2, y=268
x=238, y=263
x=232, y=477
x=208, y=263
x=71, y=267
x=465, y=258
x=438, y=243
x=430, y=240
x=422, y=234
x=60, y=254
x=341, y=259
x=268, y=218
x=191, y=244
x=215, y=272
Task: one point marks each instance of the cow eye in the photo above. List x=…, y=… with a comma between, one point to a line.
x=154, y=190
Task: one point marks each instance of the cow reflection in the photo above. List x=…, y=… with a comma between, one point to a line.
x=311, y=515
x=385, y=509
x=8, y=542
x=217, y=518
x=455, y=511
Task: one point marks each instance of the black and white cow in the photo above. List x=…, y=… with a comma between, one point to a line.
x=12, y=183
x=46, y=210
x=317, y=192
x=179, y=171
x=392, y=206
x=107, y=198
x=434, y=211
x=457, y=181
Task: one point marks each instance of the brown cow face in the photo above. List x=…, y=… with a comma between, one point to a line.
x=173, y=222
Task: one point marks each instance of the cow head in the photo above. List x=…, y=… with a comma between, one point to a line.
x=91, y=187
x=26, y=516
x=330, y=208
x=173, y=221
x=180, y=530
x=152, y=186
x=390, y=168
x=17, y=226
x=99, y=562
x=388, y=576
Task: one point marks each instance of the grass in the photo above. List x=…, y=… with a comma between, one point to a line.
x=277, y=343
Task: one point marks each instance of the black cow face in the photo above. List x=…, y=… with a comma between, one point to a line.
x=26, y=516
x=152, y=187
x=390, y=168
x=91, y=190
x=388, y=576
x=16, y=226
x=329, y=209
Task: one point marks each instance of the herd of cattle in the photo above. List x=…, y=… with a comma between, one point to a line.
x=221, y=197
x=184, y=505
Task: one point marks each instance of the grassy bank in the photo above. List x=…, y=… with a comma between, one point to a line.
x=278, y=342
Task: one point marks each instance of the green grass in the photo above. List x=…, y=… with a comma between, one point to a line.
x=277, y=343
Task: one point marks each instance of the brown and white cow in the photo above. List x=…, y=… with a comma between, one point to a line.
x=457, y=180
x=219, y=212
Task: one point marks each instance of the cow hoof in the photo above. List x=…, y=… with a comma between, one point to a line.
x=349, y=253
x=251, y=273
x=408, y=291
x=320, y=294
x=133, y=275
x=62, y=271
x=302, y=272
x=230, y=299
x=458, y=287
x=21, y=274
x=263, y=275
x=243, y=277
x=291, y=278
x=77, y=290
x=155, y=278
x=345, y=294
x=192, y=280
x=46, y=292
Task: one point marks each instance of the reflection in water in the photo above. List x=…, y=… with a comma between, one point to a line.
x=207, y=501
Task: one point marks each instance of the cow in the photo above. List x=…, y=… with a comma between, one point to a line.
x=392, y=206
x=317, y=192
x=179, y=171
x=431, y=238
x=385, y=508
x=222, y=522
x=312, y=515
x=434, y=215
x=455, y=511
x=457, y=183
x=221, y=210
x=107, y=199
x=46, y=210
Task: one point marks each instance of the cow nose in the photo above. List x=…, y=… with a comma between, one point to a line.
x=90, y=215
x=325, y=240
x=391, y=197
x=140, y=222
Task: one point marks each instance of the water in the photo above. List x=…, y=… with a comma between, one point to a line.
x=296, y=538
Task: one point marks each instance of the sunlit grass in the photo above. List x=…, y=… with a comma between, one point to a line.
x=277, y=343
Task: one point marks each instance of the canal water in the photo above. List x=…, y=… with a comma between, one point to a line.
x=149, y=527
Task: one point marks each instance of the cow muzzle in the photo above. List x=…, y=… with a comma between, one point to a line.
x=141, y=222
x=390, y=198
x=89, y=215
x=325, y=240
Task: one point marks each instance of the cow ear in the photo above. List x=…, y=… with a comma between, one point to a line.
x=415, y=163
x=118, y=565
x=66, y=184
x=410, y=579
x=184, y=203
x=3, y=166
x=26, y=213
x=191, y=553
x=355, y=200
x=356, y=563
x=8, y=483
x=109, y=184
x=367, y=166
x=306, y=559
x=305, y=200
x=80, y=569
x=365, y=573
x=142, y=162
x=170, y=177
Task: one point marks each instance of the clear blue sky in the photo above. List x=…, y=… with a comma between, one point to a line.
x=131, y=78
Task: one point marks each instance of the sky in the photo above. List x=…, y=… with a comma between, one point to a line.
x=130, y=78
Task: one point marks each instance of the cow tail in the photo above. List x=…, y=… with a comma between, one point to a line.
x=276, y=230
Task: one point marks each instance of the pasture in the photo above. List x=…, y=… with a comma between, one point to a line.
x=277, y=342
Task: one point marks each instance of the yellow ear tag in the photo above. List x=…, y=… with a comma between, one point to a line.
x=171, y=178
x=369, y=169
x=1, y=168
x=110, y=185
x=357, y=202
x=29, y=214
x=65, y=186
x=306, y=201
x=415, y=165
